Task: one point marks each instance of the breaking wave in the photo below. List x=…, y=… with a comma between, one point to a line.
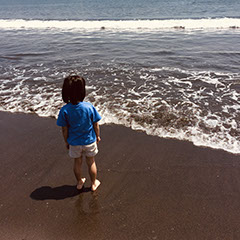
x=122, y=25
x=201, y=107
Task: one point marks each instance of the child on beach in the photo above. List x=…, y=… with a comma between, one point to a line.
x=80, y=129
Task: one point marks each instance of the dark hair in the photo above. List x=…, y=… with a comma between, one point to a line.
x=73, y=89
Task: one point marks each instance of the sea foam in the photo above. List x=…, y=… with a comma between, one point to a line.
x=121, y=25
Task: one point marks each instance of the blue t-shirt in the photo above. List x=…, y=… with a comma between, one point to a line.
x=79, y=119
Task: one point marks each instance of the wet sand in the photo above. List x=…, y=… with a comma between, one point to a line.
x=152, y=188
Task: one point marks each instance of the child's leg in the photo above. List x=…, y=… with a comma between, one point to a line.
x=92, y=169
x=77, y=168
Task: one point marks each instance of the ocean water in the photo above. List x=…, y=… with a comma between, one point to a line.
x=169, y=68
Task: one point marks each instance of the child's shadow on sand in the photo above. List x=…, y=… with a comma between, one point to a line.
x=57, y=193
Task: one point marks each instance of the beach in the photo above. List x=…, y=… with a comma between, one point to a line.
x=164, y=76
x=151, y=187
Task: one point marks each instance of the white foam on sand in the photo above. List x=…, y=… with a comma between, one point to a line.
x=146, y=105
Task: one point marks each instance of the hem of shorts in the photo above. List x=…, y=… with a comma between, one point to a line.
x=92, y=155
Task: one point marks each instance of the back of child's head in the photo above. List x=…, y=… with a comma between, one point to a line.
x=73, y=90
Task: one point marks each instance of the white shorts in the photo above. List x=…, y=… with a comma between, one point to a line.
x=90, y=150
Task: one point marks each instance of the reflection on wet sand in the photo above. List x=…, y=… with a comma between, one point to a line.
x=87, y=204
x=88, y=215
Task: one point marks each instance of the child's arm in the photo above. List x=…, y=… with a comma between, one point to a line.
x=65, y=136
x=97, y=131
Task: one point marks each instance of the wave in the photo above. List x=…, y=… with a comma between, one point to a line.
x=198, y=106
x=135, y=25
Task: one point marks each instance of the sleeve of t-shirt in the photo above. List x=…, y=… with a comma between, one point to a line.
x=96, y=115
x=62, y=121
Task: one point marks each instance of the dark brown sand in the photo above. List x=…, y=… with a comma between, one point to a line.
x=152, y=188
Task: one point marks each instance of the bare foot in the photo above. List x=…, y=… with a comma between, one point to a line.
x=95, y=185
x=81, y=183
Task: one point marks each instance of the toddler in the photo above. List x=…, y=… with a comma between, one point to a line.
x=80, y=129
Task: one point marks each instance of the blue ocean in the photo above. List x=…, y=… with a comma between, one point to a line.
x=168, y=68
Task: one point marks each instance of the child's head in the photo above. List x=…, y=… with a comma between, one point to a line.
x=73, y=89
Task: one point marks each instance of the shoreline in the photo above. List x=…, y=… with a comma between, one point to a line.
x=144, y=131
x=152, y=188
